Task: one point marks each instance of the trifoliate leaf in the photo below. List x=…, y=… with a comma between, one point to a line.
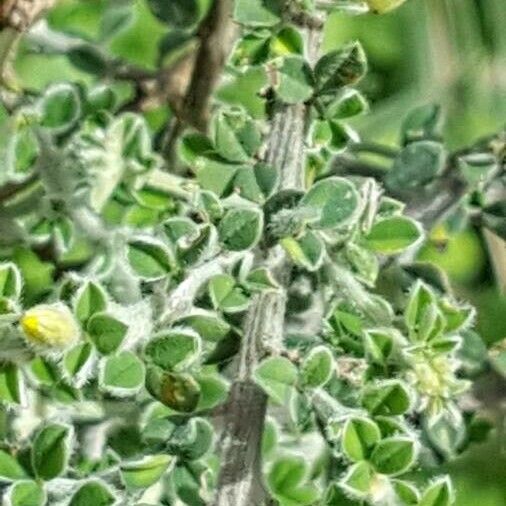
x=393, y=455
x=276, y=375
x=360, y=435
x=343, y=67
x=294, y=83
x=415, y=166
x=390, y=397
x=226, y=295
x=235, y=135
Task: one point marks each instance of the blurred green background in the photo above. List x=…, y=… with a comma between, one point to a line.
x=448, y=51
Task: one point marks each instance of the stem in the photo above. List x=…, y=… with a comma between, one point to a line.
x=216, y=37
x=240, y=480
x=377, y=149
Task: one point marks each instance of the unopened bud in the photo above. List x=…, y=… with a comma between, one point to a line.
x=50, y=325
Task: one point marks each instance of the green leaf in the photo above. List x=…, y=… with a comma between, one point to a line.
x=390, y=397
x=287, y=41
x=11, y=281
x=150, y=259
x=307, y=250
x=343, y=67
x=261, y=279
x=317, y=368
x=51, y=451
x=358, y=480
x=176, y=13
x=106, y=332
x=121, y=374
x=22, y=151
x=235, y=135
x=276, y=375
x=438, y=493
x=286, y=479
x=174, y=349
x=406, y=492
x=360, y=435
x=93, y=492
x=76, y=358
x=213, y=391
x=180, y=392
x=394, y=455
x=379, y=343
x=26, y=493
x=193, y=146
x=201, y=248
x=256, y=183
x=348, y=103
x=294, y=80
x=416, y=165
x=216, y=174
x=331, y=203
x=10, y=469
x=240, y=228
x=88, y=58
x=364, y=263
x=193, y=440
x=447, y=431
x=90, y=299
x=258, y=12
x=208, y=325
x=11, y=385
x=393, y=235
x=423, y=123
x=225, y=295
x=60, y=107
x=145, y=472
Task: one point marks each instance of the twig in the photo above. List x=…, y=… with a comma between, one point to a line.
x=240, y=480
x=216, y=37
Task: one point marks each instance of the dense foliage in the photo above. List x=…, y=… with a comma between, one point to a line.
x=189, y=276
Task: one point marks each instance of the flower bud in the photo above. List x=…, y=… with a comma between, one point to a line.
x=382, y=6
x=50, y=325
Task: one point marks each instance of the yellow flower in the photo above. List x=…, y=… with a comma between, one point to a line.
x=50, y=325
x=382, y=6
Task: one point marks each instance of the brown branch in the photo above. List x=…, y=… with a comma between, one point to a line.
x=240, y=481
x=21, y=14
x=216, y=34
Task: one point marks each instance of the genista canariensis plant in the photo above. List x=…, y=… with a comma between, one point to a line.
x=233, y=314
